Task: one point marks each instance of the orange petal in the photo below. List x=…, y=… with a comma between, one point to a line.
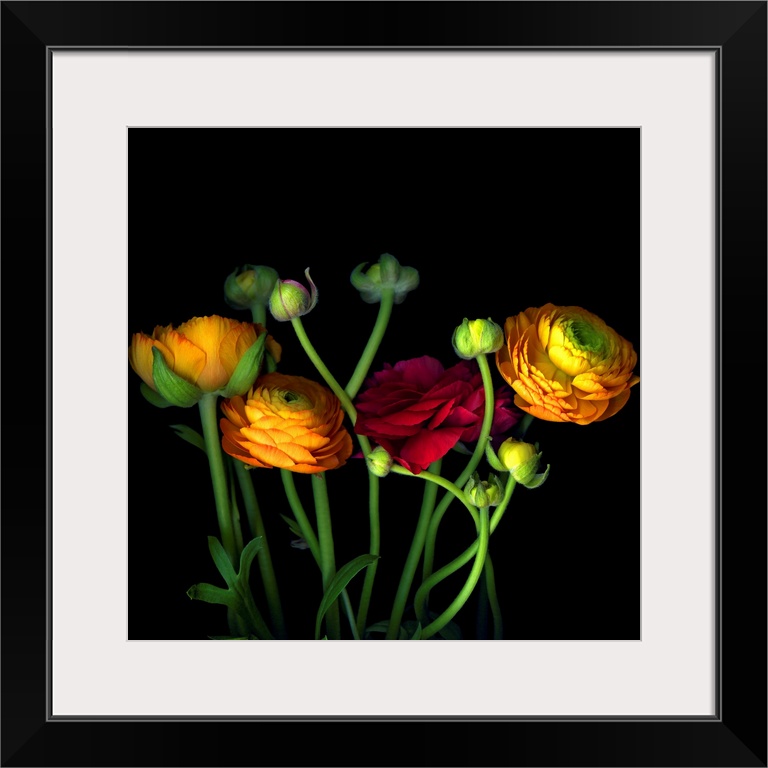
x=614, y=405
x=188, y=359
x=141, y=359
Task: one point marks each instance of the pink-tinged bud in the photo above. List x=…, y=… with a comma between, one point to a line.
x=291, y=299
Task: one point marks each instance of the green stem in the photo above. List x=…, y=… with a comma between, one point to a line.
x=453, y=488
x=353, y=386
x=374, y=340
x=327, y=556
x=309, y=536
x=256, y=525
x=472, y=464
x=259, y=313
x=428, y=583
x=322, y=369
x=207, y=406
x=373, y=548
x=414, y=554
x=522, y=427
x=481, y=623
x=493, y=600
x=350, y=611
x=299, y=514
x=469, y=585
x=237, y=528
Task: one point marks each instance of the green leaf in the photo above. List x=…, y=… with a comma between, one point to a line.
x=210, y=594
x=247, y=369
x=170, y=385
x=338, y=583
x=293, y=525
x=223, y=563
x=249, y=552
x=153, y=397
x=417, y=633
x=189, y=434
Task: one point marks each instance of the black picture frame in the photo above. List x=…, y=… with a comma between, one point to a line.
x=736, y=735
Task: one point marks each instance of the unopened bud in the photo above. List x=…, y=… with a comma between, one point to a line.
x=386, y=273
x=477, y=337
x=291, y=299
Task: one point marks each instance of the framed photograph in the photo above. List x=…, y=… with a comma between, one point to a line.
x=596, y=171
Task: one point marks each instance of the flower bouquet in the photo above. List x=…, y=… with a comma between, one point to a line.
x=359, y=461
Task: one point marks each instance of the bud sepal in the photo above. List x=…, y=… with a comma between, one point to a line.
x=484, y=493
x=172, y=387
x=522, y=461
x=386, y=273
x=379, y=461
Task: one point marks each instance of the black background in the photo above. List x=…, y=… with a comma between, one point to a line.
x=736, y=735
x=495, y=220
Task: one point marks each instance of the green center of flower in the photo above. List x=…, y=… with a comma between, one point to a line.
x=293, y=400
x=585, y=337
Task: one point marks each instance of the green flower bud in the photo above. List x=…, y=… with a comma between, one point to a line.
x=522, y=460
x=379, y=461
x=484, y=493
x=477, y=337
x=386, y=273
x=249, y=286
x=290, y=299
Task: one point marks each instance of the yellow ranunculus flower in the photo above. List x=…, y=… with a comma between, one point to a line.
x=204, y=351
x=566, y=364
x=287, y=422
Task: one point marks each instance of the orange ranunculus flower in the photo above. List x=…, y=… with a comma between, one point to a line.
x=287, y=422
x=566, y=364
x=205, y=350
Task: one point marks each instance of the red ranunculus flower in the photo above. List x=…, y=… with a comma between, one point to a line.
x=418, y=410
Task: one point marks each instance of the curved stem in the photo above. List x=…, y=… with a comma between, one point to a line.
x=423, y=591
x=256, y=525
x=441, y=481
x=377, y=334
x=322, y=369
x=207, y=407
x=414, y=554
x=472, y=464
x=469, y=585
